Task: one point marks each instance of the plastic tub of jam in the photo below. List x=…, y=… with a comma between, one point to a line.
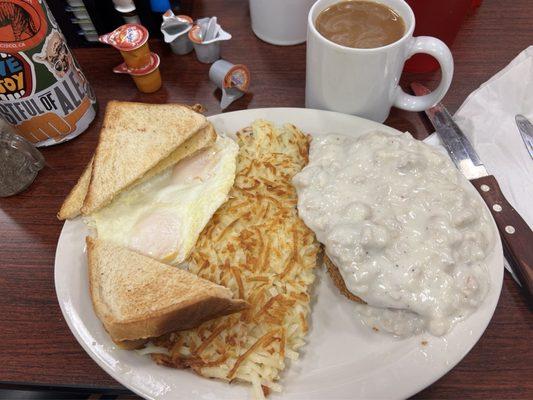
x=148, y=78
x=132, y=42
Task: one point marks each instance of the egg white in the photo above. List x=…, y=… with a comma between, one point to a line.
x=163, y=217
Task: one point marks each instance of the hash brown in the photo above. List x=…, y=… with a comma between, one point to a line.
x=256, y=246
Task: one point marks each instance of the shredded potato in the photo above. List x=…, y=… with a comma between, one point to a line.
x=257, y=246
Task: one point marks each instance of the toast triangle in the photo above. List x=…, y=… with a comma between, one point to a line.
x=73, y=204
x=134, y=138
x=137, y=297
x=71, y=207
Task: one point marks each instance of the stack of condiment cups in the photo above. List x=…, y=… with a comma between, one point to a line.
x=139, y=62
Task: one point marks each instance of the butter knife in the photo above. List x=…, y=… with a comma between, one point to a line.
x=526, y=130
x=516, y=235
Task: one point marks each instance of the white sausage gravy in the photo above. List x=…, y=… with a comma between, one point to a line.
x=405, y=233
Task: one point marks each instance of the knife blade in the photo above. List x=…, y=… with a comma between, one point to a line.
x=516, y=235
x=526, y=130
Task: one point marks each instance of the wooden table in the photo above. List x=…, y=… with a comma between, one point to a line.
x=36, y=346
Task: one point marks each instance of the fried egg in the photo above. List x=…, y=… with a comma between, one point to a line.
x=163, y=217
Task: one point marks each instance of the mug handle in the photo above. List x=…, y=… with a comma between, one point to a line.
x=436, y=48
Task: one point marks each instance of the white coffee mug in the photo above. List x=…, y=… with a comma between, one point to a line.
x=364, y=82
x=280, y=22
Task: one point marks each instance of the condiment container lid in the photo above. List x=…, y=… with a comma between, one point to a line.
x=238, y=76
x=207, y=31
x=180, y=18
x=195, y=34
x=174, y=26
x=148, y=68
x=127, y=37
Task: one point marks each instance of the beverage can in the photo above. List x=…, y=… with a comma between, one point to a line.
x=44, y=94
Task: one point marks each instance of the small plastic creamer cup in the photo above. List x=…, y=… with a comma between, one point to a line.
x=178, y=39
x=147, y=79
x=132, y=42
x=207, y=51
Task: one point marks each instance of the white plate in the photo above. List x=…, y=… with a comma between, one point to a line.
x=342, y=358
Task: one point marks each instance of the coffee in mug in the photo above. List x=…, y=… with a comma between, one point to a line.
x=353, y=79
x=360, y=24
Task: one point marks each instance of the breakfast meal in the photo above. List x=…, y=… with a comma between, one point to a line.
x=305, y=250
x=399, y=227
x=137, y=297
x=360, y=24
x=202, y=251
x=256, y=246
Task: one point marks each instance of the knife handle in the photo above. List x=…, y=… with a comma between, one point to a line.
x=516, y=235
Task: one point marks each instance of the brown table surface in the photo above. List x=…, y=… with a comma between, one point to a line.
x=36, y=346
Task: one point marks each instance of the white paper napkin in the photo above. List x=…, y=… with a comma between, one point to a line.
x=487, y=118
